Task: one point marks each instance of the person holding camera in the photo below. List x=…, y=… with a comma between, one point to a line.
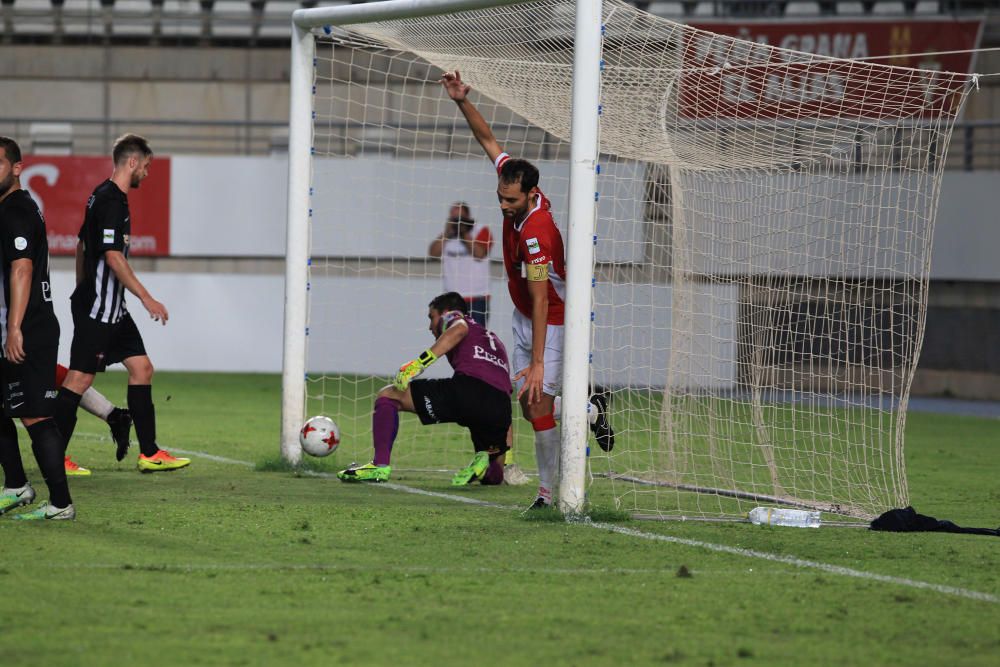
x=464, y=249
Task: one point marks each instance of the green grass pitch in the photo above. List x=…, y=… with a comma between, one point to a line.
x=225, y=564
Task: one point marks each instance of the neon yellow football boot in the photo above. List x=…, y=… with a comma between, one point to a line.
x=74, y=469
x=473, y=471
x=369, y=472
x=161, y=461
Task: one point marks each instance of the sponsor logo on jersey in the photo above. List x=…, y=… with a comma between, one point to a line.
x=20, y=243
x=484, y=355
x=533, y=246
x=51, y=394
x=109, y=236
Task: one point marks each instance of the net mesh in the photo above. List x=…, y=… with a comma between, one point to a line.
x=765, y=220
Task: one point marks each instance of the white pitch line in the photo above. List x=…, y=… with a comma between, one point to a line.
x=631, y=532
x=213, y=457
x=421, y=492
x=800, y=562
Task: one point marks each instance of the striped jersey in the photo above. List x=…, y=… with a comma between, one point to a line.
x=106, y=226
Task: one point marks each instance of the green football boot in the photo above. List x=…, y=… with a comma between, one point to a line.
x=48, y=512
x=473, y=471
x=369, y=472
x=13, y=498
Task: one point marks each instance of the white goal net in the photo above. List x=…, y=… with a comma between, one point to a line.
x=764, y=227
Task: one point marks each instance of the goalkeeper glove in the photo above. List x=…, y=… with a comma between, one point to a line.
x=411, y=369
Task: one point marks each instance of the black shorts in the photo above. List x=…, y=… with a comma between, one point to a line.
x=468, y=402
x=29, y=388
x=96, y=345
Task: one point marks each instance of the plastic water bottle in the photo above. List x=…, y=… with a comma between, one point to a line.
x=777, y=516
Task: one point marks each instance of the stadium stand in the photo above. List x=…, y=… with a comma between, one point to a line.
x=267, y=21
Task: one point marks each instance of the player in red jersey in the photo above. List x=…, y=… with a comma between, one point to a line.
x=535, y=262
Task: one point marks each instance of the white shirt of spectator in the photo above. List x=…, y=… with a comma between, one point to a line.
x=462, y=272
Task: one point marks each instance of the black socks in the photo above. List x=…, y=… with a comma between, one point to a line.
x=10, y=455
x=48, y=445
x=140, y=404
x=65, y=414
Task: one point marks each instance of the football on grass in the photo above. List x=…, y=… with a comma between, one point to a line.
x=319, y=436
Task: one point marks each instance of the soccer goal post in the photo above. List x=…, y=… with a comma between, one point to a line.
x=748, y=229
x=581, y=210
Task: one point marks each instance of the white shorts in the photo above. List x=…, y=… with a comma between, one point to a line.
x=552, y=383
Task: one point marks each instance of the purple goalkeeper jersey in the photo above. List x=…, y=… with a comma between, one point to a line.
x=480, y=355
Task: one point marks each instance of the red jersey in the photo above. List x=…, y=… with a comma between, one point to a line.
x=534, y=240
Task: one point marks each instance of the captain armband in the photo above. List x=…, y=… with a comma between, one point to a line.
x=537, y=272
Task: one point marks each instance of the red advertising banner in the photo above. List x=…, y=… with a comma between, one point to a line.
x=745, y=79
x=61, y=185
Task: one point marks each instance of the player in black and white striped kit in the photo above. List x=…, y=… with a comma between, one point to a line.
x=104, y=332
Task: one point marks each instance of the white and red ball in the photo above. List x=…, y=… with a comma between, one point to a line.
x=319, y=436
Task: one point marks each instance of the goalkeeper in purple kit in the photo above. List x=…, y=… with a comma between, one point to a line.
x=477, y=396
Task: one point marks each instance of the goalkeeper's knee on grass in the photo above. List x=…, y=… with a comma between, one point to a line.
x=494, y=473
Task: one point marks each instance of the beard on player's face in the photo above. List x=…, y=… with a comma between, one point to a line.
x=435, y=322
x=136, y=179
x=139, y=172
x=514, y=203
x=7, y=183
x=515, y=210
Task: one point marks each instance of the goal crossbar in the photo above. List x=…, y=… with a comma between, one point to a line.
x=389, y=10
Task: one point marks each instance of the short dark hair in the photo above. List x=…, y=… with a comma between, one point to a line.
x=519, y=171
x=10, y=149
x=464, y=213
x=449, y=301
x=130, y=144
